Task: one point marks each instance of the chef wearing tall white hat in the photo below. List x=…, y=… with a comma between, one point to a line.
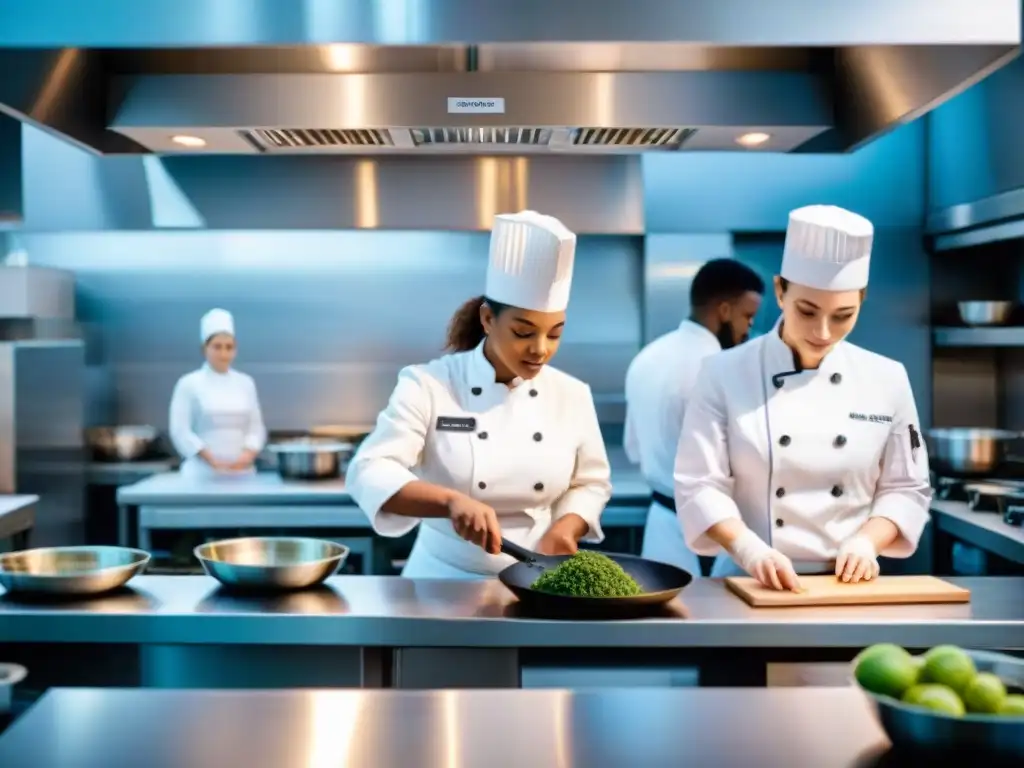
x=215, y=420
x=490, y=441
x=801, y=452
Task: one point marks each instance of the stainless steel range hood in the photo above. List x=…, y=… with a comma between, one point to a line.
x=531, y=76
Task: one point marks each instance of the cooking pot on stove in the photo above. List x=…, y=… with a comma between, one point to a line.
x=969, y=450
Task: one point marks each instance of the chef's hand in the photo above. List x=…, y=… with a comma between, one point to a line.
x=769, y=566
x=857, y=560
x=215, y=464
x=244, y=461
x=563, y=536
x=475, y=522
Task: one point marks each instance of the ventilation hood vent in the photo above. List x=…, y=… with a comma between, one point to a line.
x=316, y=138
x=537, y=137
x=267, y=77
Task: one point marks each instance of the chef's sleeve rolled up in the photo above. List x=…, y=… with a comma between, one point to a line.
x=256, y=434
x=186, y=442
x=903, y=493
x=703, y=472
x=591, y=487
x=383, y=464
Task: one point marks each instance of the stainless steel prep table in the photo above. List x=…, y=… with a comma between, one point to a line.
x=984, y=530
x=17, y=516
x=450, y=633
x=171, y=501
x=784, y=727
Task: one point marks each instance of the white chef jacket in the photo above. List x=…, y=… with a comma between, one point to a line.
x=658, y=385
x=804, y=464
x=533, y=452
x=216, y=411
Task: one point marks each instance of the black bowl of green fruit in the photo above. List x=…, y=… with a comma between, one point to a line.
x=947, y=700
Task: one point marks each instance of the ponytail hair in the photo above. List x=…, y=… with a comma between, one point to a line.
x=465, y=330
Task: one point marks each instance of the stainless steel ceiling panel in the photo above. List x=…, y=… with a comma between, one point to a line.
x=827, y=23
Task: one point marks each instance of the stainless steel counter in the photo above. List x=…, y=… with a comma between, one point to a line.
x=984, y=530
x=267, y=488
x=17, y=516
x=96, y=728
x=354, y=611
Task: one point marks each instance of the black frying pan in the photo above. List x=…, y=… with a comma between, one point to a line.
x=660, y=583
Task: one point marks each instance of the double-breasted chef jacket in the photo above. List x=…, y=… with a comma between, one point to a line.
x=804, y=459
x=532, y=451
x=658, y=385
x=219, y=412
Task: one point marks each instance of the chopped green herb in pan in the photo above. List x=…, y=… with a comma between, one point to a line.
x=588, y=574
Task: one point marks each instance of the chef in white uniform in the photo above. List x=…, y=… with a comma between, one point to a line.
x=215, y=420
x=490, y=441
x=725, y=296
x=800, y=452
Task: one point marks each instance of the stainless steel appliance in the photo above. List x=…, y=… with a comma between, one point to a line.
x=42, y=410
x=443, y=76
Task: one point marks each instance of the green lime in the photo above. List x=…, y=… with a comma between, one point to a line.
x=886, y=671
x=950, y=666
x=1013, y=705
x=937, y=698
x=880, y=648
x=985, y=694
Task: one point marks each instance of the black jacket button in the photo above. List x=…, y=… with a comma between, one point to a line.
x=784, y=440
x=481, y=485
x=538, y=486
x=482, y=435
x=476, y=391
x=835, y=378
x=840, y=441
x=779, y=523
x=777, y=382
x=837, y=491
x=780, y=492
x=533, y=393
x=537, y=436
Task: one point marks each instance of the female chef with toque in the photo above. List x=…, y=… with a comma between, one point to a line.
x=490, y=441
x=801, y=452
x=215, y=419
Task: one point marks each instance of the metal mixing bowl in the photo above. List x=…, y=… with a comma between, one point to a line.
x=922, y=730
x=88, y=570
x=985, y=312
x=270, y=562
x=311, y=458
x=124, y=443
x=968, y=450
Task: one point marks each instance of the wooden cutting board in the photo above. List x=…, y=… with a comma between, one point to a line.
x=828, y=590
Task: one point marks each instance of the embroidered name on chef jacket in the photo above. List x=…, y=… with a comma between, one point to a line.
x=877, y=418
x=456, y=424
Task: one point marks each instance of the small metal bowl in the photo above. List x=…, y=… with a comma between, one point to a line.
x=920, y=730
x=123, y=443
x=985, y=312
x=271, y=563
x=89, y=570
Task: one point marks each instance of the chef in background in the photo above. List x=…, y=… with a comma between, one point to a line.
x=215, y=420
x=801, y=452
x=725, y=295
x=490, y=441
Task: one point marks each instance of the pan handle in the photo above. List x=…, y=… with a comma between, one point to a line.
x=521, y=554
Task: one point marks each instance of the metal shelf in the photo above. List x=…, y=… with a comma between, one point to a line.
x=1000, y=336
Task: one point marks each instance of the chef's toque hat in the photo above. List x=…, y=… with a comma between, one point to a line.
x=827, y=248
x=216, y=321
x=531, y=261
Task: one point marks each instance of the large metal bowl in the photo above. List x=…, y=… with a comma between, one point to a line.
x=88, y=570
x=985, y=312
x=969, y=450
x=124, y=443
x=311, y=458
x=271, y=563
x=920, y=730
